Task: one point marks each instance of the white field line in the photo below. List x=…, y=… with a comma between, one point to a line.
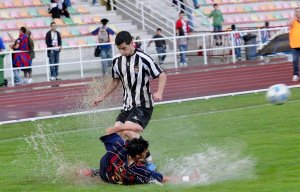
x=160, y=119
x=118, y=108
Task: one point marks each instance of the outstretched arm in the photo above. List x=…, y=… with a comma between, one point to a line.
x=112, y=85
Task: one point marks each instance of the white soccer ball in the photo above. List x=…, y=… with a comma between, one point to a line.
x=278, y=94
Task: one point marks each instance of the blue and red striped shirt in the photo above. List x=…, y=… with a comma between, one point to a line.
x=114, y=166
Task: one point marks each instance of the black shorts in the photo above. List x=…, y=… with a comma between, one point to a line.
x=28, y=70
x=139, y=115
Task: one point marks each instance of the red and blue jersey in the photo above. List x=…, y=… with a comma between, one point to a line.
x=114, y=166
x=22, y=59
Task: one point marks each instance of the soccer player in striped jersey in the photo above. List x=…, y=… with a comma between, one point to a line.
x=134, y=69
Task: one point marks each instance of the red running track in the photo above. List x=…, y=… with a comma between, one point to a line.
x=49, y=98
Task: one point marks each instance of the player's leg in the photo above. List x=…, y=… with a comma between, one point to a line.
x=139, y=117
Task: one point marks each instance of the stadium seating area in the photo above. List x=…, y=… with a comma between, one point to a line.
x=252, y=13
x=34, y=15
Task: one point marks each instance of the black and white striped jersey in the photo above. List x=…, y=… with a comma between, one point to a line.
x=135, y=72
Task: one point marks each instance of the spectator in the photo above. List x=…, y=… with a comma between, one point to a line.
x=20, y=59
x=109, y=5
x=237, y=40
x=94, y=2
x=218, y=20
x=53, y=40
x=175, y=3
x=182, y=23
x=182, y=43
x=294, y=38
x=67, y=3
x=138, y=45
x=104, y=32
x=53, y=9
x=63, y=8
x=196, y=4
x=265, y=34
x=2, y=47
x=160, y=46
x=28, y=72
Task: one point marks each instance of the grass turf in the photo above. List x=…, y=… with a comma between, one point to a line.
x=269, y=134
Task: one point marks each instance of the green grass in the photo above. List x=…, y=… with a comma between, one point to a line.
x=267, y=134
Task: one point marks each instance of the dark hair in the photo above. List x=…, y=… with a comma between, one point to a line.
x=104, y=21
x=181, y=12
x=52, y=23
x=215, y=5
x=23, y=29
x=233, y=27
x=267, y=23
x=123, y=37
x=136, y=146
x=158, y=29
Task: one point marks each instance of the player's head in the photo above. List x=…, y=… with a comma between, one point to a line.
x=137, y=148
x=124, y=43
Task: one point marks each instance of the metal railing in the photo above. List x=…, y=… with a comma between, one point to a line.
x=84, y=53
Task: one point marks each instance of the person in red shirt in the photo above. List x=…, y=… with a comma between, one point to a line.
x=182, y=23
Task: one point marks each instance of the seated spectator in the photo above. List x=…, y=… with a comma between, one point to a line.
x=63, y=8
x=57, y=8
x=53, y=9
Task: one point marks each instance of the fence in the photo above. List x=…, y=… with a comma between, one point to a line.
x=79, y=59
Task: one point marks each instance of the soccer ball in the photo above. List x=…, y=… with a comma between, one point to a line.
x=278, y=94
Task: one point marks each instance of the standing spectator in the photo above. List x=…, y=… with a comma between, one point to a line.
x=265, y=34
x=104, y=32
x=218, y=20
x=2, y=47
x=294, y=38
x=237, y=40
x=28, y=72
x=20, y=59
x=182, y=23
x=53, y=40
x=182, y=43
x=160, y=46
x=138, y=45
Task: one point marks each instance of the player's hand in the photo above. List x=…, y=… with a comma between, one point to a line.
x=98, y=100
x=157, y=96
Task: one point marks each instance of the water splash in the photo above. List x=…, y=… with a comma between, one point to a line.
x=211, y=166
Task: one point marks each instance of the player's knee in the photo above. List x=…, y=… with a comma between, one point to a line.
x=133, y=126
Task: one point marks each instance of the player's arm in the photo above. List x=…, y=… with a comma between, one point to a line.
x=162, y=80
x=112, y=85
